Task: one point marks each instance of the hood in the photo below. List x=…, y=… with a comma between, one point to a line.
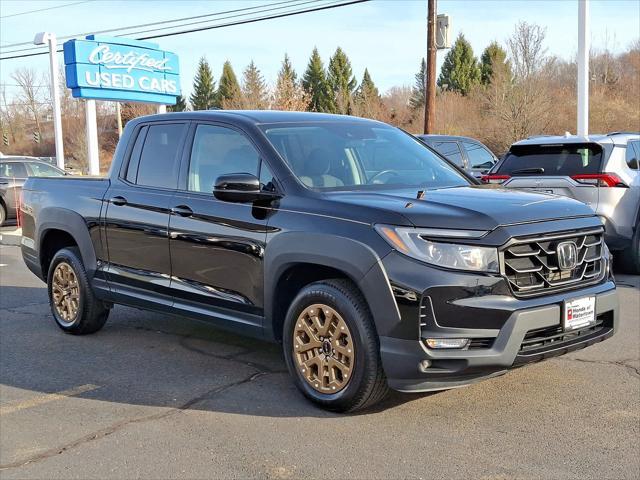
x=467, y=208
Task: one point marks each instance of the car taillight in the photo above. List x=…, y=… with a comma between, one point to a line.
x=600, y=179
x=493, y=178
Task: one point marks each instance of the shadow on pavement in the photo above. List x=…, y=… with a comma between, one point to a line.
x=150, y=359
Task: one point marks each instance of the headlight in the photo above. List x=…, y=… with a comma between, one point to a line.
x=413, y=242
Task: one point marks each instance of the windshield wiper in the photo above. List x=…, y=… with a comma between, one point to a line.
x=528, y=170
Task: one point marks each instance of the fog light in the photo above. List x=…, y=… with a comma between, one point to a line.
x=447, y=342
x=424, y=365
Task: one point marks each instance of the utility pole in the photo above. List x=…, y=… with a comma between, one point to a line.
x=430, y=83
x=583, y=68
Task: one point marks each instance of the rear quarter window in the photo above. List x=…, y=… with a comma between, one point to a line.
x=632, y=153
x=552, y=160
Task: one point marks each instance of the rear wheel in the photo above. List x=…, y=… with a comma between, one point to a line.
x=331, y=347
x=73, y=304
x=630, y=257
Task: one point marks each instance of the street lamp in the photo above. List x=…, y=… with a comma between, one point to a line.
x=43, y=38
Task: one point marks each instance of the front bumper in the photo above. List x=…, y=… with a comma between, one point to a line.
x=506, y=332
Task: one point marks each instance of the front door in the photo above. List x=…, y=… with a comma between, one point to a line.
x=137, y=216
x=217, y=247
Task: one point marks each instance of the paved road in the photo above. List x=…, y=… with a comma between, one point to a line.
x=155, y=396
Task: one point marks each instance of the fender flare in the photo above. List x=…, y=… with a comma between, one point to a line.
x=358, y=261
x=75, y=225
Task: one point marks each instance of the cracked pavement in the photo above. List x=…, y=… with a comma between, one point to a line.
x=156, y=396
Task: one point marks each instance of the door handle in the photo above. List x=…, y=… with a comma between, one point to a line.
x=119, y=201
x=182, y=211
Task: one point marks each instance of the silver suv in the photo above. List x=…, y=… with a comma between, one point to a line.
x=602, y=171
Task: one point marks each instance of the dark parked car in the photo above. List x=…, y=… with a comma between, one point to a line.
x=468, y=153
x=13, y=173
x=372, y=260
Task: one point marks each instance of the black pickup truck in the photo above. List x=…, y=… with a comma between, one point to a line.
x=374, y=261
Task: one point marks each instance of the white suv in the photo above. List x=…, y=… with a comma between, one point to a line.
x=602, y=171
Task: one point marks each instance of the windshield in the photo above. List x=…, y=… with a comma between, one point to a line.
x=563, y=160
x=341, y=155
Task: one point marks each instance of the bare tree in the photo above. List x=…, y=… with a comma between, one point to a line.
x=7, y=116
x=526, y=49
x=31, y=95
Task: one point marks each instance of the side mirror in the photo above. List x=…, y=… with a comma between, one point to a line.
x=240, y=188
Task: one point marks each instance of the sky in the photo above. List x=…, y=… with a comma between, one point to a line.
x=386, y=36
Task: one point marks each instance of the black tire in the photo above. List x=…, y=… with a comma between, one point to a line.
x=3, y=214
x=368, y=384
x=91, y=313
x=629, y=259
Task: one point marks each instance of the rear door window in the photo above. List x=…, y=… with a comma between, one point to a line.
x=13, y=170
x=479, y=157
x=159, y=160
x=552, y=160
x=450, y=150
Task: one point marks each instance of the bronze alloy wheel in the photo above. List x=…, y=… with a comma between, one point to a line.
x=65, y=292
x=323, y=348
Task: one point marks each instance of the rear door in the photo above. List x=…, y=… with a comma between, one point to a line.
x=137, y=216
x=12, y=177
x=561, y=169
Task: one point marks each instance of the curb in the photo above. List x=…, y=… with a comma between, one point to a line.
x=12, y=238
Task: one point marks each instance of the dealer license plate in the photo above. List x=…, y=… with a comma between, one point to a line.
x=579, y=313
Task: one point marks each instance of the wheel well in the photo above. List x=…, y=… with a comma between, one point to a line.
x=291, y=282
x=53, y=241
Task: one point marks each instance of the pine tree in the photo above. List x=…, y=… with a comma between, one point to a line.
x=204, y=92
x=254, y=88
x=287, y=69
x=289, y=94
x=460, y=70
x=341, y=81
x=367, y=98
x=229, y=93
x=180, y=106
x=494, y=63
x=417, y=93
x=315, y=84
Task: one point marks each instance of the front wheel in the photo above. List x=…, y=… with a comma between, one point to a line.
x=75, y=308
x=331, y=347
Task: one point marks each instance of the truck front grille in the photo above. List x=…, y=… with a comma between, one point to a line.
x=532, y=267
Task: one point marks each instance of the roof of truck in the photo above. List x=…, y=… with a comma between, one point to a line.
x=261, y=116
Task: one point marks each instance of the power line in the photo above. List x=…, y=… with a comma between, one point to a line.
x=254, y=20
x=288, y=3
x=229, y=24
x=43, y=9
x=163, y=22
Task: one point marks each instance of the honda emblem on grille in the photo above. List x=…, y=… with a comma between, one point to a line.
x=567, y=254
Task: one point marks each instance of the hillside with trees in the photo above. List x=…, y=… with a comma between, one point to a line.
x=508, y=92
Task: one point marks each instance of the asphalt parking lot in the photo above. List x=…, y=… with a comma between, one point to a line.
x=153, y=396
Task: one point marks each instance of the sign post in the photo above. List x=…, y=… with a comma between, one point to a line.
x=121, y=70
x=50, y=38
x=91, y=121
